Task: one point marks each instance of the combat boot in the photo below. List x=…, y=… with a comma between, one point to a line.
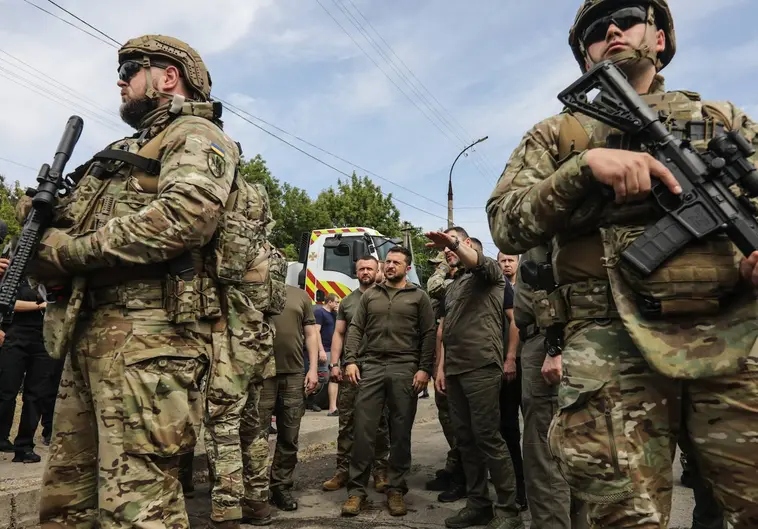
x=456, y=491
x=380, y=481
x=396, y=503
x=441, y=482
x=26, y=455
x=467, y=517
x=283, y=500
x=336, y=482
x=256, y=513
x=353, y=506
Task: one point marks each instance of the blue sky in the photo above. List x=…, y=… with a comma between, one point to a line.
x=492, y=67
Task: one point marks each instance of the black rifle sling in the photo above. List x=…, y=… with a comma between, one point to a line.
x=150, y=166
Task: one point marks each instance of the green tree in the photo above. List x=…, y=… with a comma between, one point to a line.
x=421, y=254
x=291, y=206
x=359, y=202
x=9, y=195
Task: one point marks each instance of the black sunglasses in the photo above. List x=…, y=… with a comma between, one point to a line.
x=129, y=68
x=623, y=19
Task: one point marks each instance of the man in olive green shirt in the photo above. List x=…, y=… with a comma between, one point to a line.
x=397, y=321
x=471, y=373
x=366, y=269
x=295, y=325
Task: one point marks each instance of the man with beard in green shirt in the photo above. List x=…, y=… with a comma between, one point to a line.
x=366, y=269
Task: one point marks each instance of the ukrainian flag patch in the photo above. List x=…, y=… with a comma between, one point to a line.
x=218, y=150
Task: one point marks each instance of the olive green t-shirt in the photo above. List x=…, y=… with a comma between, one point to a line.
x=346, y=311
x=473, y=311
x=288, y=343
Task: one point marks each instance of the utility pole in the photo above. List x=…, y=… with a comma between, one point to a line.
x=450, y=183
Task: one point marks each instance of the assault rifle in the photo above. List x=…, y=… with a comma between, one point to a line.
x=539, y=276
x=51, y=183
x=706, y=204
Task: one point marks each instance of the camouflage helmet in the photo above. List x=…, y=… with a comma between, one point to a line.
x=176, y=52
x=592, y=8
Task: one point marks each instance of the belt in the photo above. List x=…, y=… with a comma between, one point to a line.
x=528, y=331
x=145, y=294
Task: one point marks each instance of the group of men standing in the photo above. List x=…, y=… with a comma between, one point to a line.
x=167, y=292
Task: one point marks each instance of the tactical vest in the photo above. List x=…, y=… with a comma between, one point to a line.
x=238, y=263
x=688, y=317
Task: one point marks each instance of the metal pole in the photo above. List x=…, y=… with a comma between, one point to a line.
x=450, y=184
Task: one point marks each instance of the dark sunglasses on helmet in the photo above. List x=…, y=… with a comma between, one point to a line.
x=623, y=19
x=129, y=68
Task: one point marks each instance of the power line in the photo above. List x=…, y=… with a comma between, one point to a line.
x=38, y=74
x=382, y=70
x=41, y=90
x=85, y=23
x=327, y=164
x=19, y=164
x=69, y=23
x=227, y=104
x=233, y=111
x=52, y=97
x=439, y=114
x=403, y=78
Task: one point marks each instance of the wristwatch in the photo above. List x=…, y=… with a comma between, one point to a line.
x=333, y=365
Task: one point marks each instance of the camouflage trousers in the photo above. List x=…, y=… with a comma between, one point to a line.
x=130, y=403
x=231, y=371
x=282, y=395
x=616, y=431
x=346, y=406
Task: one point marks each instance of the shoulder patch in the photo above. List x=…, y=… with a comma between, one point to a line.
x=216, y=162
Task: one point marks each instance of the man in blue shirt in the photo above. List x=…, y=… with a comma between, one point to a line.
x=326, y=320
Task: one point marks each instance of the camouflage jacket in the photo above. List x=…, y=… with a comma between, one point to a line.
x=545, y=198
x=538, y=196
x=198, y=163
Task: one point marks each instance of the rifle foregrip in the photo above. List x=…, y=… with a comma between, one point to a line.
x=656, y=244
x=22, y=255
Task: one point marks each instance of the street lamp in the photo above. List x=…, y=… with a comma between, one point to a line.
x=450, y=184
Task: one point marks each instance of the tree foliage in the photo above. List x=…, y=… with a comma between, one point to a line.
x=359, y=202
x=9, y=195
x=356, y=201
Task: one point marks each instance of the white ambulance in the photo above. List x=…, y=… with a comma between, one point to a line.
x=326, y=263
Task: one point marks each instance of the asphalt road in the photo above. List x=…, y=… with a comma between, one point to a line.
x=318, y=509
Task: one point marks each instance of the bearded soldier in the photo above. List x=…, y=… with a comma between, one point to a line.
x=626, y=373
x=147, y=257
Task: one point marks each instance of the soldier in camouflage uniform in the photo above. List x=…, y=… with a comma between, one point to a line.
x=153, y=241
x=235, y=371
x=626, y=375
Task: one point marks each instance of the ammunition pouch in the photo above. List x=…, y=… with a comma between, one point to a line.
x=583, y=300
x=265, y=281
x=695, y=281
x=187, y=301
x=184, y=301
